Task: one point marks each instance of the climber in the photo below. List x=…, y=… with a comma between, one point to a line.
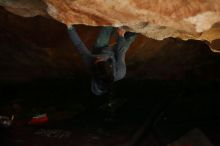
x=106, y=63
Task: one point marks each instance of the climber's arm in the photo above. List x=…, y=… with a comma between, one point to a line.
x=80, y=46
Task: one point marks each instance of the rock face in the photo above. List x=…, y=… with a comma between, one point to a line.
x=156, y=19
x=25, y=8
x=41, y=48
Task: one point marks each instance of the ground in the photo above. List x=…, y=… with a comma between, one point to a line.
x=148, y=112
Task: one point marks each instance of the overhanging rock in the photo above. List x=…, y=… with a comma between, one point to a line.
x=157, y=19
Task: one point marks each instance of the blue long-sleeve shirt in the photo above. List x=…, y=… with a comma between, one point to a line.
x=116, y=53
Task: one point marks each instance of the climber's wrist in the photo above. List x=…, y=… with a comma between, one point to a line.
x=69, y=27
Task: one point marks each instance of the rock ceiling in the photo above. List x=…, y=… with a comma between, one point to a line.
x=157, y=19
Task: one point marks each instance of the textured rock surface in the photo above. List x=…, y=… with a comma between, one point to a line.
x=46, y=51
x=156, y=19
x=25, y=8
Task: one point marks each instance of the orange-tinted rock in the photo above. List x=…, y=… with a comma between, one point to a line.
x=39, y=47
x=156, y=19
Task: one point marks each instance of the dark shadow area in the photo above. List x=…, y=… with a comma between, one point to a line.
x=160, y=111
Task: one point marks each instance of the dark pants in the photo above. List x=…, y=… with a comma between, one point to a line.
x=103, y=39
